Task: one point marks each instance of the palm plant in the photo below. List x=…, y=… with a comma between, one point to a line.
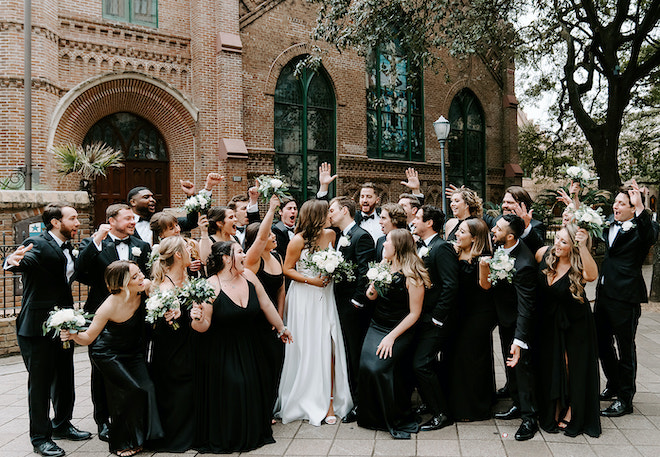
x=90, y=162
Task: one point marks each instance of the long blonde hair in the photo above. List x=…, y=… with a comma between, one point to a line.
x=575, y=271
x=166, y=250
x=405, y=252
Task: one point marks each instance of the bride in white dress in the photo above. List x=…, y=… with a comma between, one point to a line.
x=314, y=383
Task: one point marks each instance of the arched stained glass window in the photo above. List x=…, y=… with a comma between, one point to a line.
x=304, y=127
x=467, y=142
x=395, y=121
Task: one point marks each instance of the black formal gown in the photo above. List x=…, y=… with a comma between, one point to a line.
x=566, y=330
x=171, y=367
x=119, y=354
x=272, y=345
x=384, y=395
x=235, y=404
x=470, y=360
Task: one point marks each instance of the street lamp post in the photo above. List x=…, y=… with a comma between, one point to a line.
x=442, y=128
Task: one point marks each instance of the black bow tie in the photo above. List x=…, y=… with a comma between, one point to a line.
x=617, y=223
x=241, y=229
x=67, y=246
x=126, y=241
x=421, y=244
x=371, y=216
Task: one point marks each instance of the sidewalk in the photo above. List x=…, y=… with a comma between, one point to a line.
x=637, y=434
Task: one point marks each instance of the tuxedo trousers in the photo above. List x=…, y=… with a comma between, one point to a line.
x=520, y=379
x=354, y=325
x=617, y=322
x=50, y=379
x=430, y=374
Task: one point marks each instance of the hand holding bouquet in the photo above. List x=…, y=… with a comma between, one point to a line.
x=380, y=275
x=198, y=291
x=590, y=219
x=199, y=203
x=332, y=264
x=272, y=185
x=501, y=267
x=159, y=303
x=68, y=319
x=580, y=175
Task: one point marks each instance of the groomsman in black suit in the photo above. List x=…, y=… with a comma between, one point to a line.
x=357, y=246
x=619, y=292
x=515, y=305
x=436, y=325
x=284, y=228
x=47, y=264
x=246, y=209
x=112, y=241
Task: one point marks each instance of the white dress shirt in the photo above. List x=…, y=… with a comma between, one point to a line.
x=122, y=248
x=144, y=230
x=372, y=226
x=69, y=260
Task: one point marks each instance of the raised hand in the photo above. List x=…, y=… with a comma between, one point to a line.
x=449, y=190
x=325, y=176
x=581, y=238
x=274, y=202
x=203, y=223
x=412, y=181
x=212, y=180
x=636, y=197
x=563, y=197
x=520, y=209
x=187, y=187
x=253, y=194
x=15, y=259
x=101, y=233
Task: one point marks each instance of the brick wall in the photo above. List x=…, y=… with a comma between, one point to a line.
x=8, y=343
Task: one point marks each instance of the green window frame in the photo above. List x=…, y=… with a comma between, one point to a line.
x=305, y=127
x=395, y=106
x=141, y=12
x=467, y=142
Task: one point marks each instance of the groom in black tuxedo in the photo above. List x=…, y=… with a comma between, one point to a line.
x=47, y=264
x=112, y=241
x=619, y=292
x=357, y=246
x=436, y=325
x=515, y=306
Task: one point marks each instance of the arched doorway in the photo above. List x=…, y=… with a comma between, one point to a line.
x=467, y=142
x=146, y=161
x=305, y=127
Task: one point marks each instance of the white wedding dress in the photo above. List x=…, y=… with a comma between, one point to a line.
x=306, y=383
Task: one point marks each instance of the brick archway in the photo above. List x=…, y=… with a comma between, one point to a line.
x=156, y=101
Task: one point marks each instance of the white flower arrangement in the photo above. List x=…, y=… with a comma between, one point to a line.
x=380, y=275
x=590, y=219
x=331, y=263
x=423, y=252
x=579, y=174
x=69, y=319
x=160, y=302
x=136, y=251
x=197, y=290
x=344, y=241
x=199, y=203
x=272, y=185
x=627, y=225
x=502, y=267
x=153, y=255
x=75, y=252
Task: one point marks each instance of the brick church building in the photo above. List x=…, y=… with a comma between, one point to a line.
x=185, y=87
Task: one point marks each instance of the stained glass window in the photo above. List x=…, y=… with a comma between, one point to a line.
x=467, y=142
x=395, y=124
x=304, y=127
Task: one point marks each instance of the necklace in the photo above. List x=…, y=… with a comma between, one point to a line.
x=228, y=282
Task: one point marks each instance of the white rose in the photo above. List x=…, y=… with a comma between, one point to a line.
x=423, y=251
x=343, y=242
x=372, y=274
x=626, y=226
x=587, y=217
x=382, y=275
x=330, y=267
x=573, y=171
x=585, y=174
x=275, y=183
x=80, y=321
x=136, y=251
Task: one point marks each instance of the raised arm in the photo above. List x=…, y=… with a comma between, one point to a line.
x=253, y=254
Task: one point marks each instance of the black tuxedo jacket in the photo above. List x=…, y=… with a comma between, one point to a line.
x=282, y=236
x=379, y=247
x=45, y=285
x=621, y=272
x=440, y=301
x=515, y=302
x=360, y=251
x=92, y=264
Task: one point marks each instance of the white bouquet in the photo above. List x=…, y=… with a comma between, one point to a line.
x=331, y=263
x=272, y=185
x=153, y=255
x=69, y=319
x=590, y=219
x=381, y=275
x=199, y=203
x=160, y=302
x=579, y=174
x=501, y=267
x=197, y=290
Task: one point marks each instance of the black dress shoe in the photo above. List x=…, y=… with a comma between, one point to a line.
x=502, y=393
x=400, y=435
x=49, y=449
x=513, y=413
x=617, y=409
x=527, y=430
x=607, y=394
x=351, y=416
x=422, y=409
x=104, y=432
x=436, y=423
x=70, y=433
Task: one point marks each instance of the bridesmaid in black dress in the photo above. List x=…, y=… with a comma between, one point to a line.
x=172, y=352
x=117, y=335
x=470, y=361
x=384, y=398
x=568, y=380
x=464, y=204
x=236, y=405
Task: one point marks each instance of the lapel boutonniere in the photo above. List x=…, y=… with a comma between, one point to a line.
x=628, y=225
x=75, y=252
x=344, y=241
x=423, y=252
x=136, y=251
